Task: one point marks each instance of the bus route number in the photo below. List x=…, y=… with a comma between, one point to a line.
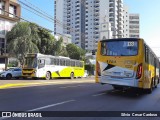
x=130, y=43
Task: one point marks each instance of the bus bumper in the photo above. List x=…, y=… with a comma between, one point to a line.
x=130, y=82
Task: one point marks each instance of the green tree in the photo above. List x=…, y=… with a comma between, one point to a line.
x=58, y=47
x=73, y=51
x=19, y=41
x=45, y=45
x=29, y=38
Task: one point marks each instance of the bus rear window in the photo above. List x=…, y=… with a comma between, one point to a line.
x=119, y=48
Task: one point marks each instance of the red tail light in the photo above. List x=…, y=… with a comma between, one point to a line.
x=98, y=69
x=139, y=71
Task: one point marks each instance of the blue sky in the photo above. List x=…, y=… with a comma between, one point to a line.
x=46, y=6
x=149, y=21
x=148, y=10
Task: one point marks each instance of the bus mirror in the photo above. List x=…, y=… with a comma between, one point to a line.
x=39, y=61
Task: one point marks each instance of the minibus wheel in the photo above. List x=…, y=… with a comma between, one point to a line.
x=48, y=76
x=72, y=75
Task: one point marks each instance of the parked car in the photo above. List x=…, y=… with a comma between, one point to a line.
x=11, y=73
x=85, y=73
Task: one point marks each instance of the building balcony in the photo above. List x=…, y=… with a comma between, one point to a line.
x=96, y=26
x=120, y=22
x=97, y=1
x=77, y=20
x=111, y=16
x=77, y=2
x=111, y=1
x=111, y=5
x=111, y=19
x=121, y=9
x=96, y=14
x=96, y=22
x=68, y=9
x=77, y=11
x=96, y=6
x=96, y=11
x=68, y=16
x=68, y=5
x=13, y=7
x=96, y=30
x=120, y=14
x=120, y=27
x=111, y=10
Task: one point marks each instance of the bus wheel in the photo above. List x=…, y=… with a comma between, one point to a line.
x=48, y=76
x=72, y=75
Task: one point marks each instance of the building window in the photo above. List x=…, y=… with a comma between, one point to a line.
x=2, y=27
x=2, y=6
x=2, y=45
x=12, y=10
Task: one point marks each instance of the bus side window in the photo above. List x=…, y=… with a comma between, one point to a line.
x=61, y=62
x=76, y=63
x=103, y=48
x=41, y=63
x=64, y=62
x=72, y=63
x=67, y=62
x=48, y=61
x=146, y=54
x=81, y=64
x=54, y=61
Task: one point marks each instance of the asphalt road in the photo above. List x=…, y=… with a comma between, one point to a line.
x=76, y=95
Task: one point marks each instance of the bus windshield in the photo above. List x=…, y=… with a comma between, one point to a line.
x=119, y=48
x=31, y=62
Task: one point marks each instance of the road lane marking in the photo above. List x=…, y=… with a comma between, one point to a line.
x=98, y=94
x=72, y=86
x=48, y=106
x=15, y=85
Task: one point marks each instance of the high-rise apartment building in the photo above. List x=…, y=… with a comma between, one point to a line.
x=83, y=19
x=134, y=29
x=131, y=26
x=125, y=22
x=10, y=12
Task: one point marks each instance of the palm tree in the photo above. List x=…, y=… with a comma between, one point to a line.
x=19, y=41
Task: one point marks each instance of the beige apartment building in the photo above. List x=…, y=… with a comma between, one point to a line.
x=10, y=12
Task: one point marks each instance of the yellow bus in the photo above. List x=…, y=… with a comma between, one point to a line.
x=127, y=62
x=47, y=66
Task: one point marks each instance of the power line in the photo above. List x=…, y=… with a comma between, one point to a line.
x=24, y=19
x=36, y=10
x=39, y=9
x=43, y=15
x=38, y=14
